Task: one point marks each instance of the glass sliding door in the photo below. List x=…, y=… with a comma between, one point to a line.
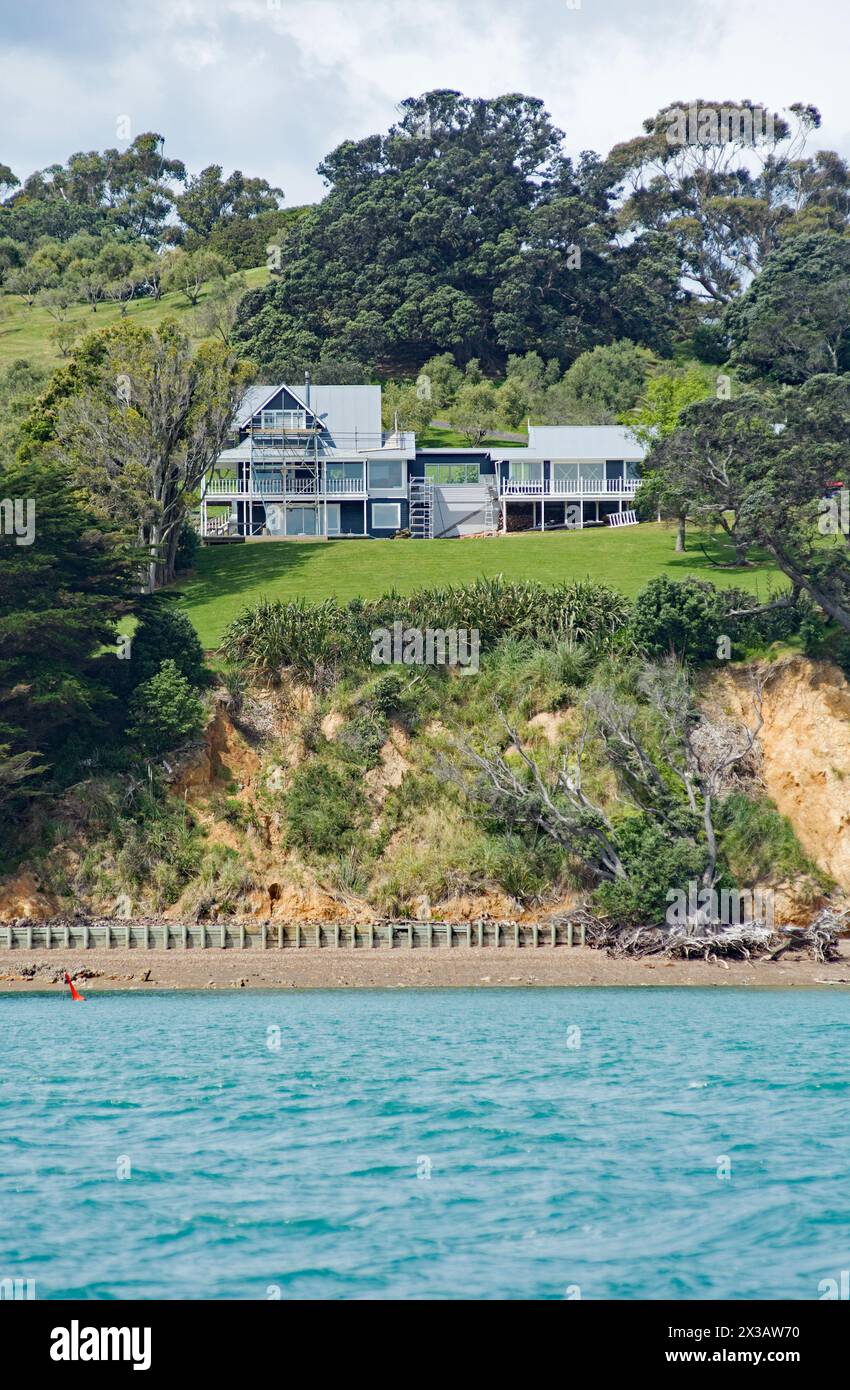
x=301, y=521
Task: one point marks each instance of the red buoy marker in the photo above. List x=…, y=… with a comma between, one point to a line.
x=78, y=998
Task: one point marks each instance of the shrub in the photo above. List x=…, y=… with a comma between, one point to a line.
x=654, y=864
x=164, y=711
x=681, y=618
x=757, y=842
x=763, y=628
x=273, y=636
x=313, y=639
x=841, y=654
x=164, y=633
x=390, y=694
x=525, y=871
x=324, y=807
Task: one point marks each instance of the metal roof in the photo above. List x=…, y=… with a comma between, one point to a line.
x=350, y=414
x=253, y=400
x=584, y=442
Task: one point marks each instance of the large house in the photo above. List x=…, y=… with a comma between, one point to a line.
x=314, y=461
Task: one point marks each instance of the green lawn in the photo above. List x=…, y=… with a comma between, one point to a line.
x=437, y=438
x=229, y=577
x=26, y=332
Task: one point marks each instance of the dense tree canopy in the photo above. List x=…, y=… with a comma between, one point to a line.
x=729, y=190
x=767, y=460
x=137, y=419
x=60, y=597
x=463, y=229
x=794, y=320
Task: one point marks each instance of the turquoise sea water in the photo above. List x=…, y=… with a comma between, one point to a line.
x=302, y=1171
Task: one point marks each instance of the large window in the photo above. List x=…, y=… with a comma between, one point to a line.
x=453, y=474
x=386, y=474
x=386, y=516
x=345, y=477
x=334, y=519
x=525, y=472
x=283, y=420
x=564, y=472
x=592, y=470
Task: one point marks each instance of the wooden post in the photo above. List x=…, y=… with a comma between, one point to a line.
x=371, y=937
x=107, y=937
x=29, y=936
x=480, y=933
x=242, y=941
x=126, y=936
x=498, y=933
x=318, y=935
x=353, y=927
x=86, y=937
x=48, y=935
x=449, y=935
x=535, y=932
x=390, y=935
x=336, y=936
x=280, y=936
x=516, y=934
x=9, y=937
x=298, y=935
x=67, y=937
x=469, y=936
x=204, y=938
x=554, y=935
x=429, y=934
x=410, y=936
x=582, y=934
x=223, y=930
x=165, y=936
x=570, y=933
x=184, y=936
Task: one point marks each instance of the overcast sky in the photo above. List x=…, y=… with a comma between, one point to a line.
x=270, y=86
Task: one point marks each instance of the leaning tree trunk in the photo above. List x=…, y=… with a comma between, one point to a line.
x=830, y=605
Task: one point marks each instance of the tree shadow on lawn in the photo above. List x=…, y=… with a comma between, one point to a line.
x=715, y=564
x=226, y=571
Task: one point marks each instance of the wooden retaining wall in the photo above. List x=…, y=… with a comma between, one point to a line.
x=279, y=936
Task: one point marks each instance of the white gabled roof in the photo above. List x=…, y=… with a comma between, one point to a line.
x=584, y=442
x=351, y=415
x=253, y=400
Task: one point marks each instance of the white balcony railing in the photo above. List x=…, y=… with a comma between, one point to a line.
x=278, y=487
x=570, y=487
x=346, y=486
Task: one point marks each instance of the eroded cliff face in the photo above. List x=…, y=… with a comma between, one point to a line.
x=805, y=750
x=803, y=765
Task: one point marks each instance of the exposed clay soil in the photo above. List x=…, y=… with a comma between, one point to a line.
x=805, y=752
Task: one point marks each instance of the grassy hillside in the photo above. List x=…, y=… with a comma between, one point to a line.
x=26, y=332
x=229, y=577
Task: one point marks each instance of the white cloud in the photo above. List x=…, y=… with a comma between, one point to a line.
x=271, y=89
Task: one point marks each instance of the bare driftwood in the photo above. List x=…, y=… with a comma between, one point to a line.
x=745, y=941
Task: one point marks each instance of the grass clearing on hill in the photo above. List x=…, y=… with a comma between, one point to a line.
x=229, y=577
x=25, y=333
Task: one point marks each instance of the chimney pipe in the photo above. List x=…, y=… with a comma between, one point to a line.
x=307, y=381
